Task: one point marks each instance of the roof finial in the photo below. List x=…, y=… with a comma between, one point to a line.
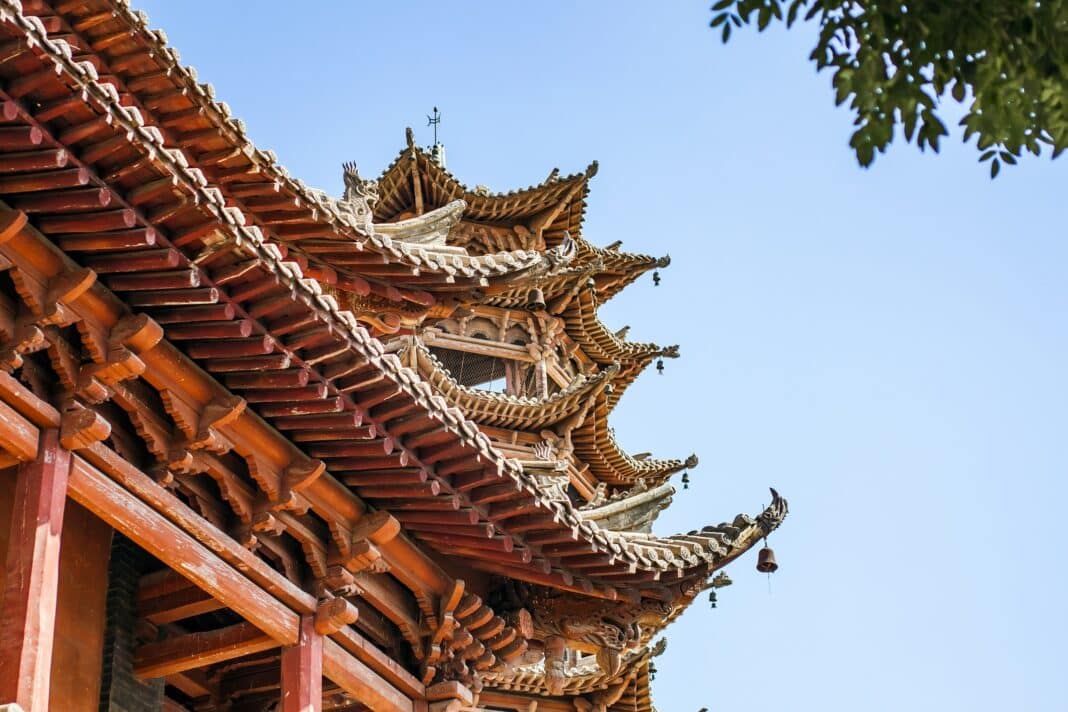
x=434, y=121
x=437, y=151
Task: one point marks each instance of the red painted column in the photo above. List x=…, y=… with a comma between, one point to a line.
x=28, y=615
x=302, y=671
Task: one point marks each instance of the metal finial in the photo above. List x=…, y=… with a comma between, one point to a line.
x=434, y=121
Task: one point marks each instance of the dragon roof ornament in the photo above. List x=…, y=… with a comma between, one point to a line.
x=359, y=198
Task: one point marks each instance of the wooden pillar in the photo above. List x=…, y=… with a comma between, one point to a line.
x=302, y=671
x=28, y=615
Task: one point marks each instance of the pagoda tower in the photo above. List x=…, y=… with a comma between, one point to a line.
x=265, y=449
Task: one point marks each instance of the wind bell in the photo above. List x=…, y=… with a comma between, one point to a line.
x=656, y=278
x=686, y=480
x=660, y=366
x=766, y=560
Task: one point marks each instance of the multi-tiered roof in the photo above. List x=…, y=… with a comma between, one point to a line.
x=293, y=388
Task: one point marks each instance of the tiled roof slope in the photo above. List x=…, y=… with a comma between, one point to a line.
x=290, y=324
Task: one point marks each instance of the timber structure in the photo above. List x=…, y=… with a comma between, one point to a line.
x=264, y=449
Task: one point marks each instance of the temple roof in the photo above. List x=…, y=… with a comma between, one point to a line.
x=542, y=216
x=413, y=427
x=318, y=231
x=607, y=347
x=617, y=268
x=263, y=342
x=585, y=400
x=558, y=200
x=595, y=444
x=585, y=678
x=500, y=409
x=629, y=510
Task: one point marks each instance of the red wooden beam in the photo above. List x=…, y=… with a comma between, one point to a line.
x=28, y=615
x=302, y=671
x=196, y=650
x=158, y=536
x=357, y=679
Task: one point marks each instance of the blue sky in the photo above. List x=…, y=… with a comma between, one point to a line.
x=886, y=347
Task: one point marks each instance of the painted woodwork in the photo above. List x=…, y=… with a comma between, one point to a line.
x=31, y=575
x=247, y=376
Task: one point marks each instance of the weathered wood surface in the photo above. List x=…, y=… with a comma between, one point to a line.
x=194, y=650
x=353, y=676
x=164, y=540
x=31, y=582
x=302, y=671
x=166, y=596
x=369, y=661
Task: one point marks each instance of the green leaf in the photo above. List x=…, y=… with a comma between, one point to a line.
x=763, y=18
x=994, y=168
x=791, y=14
x=894, y=62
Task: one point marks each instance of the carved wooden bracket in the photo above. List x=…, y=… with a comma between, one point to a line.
x=555, y=675
x=448, y=697
x=334, y=614
x=217, y=415
x=133, y=335
x=362, y=552
x=340, y=582
x=61, y=292
x=294, y=480
x=21, y=337
x=82, y=427
x=446, y=622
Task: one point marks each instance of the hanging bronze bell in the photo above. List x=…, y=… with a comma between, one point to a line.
x=535, y=300
x=766, y=561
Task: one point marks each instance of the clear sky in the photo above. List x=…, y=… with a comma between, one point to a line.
x=886, y=347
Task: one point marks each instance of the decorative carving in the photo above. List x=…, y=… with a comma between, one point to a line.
x=600, y=498
x=359, y=198
x=610, y=627
x=132, y=336
x=670, y=351
x=82, y=427
x=360, y=552
x=555, y=672
x=562, y=254
x=773, y=515
x=22, y=338
x=334, y=614
x=633, y=509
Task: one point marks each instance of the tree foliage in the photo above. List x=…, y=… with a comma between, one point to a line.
x=894, y=62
